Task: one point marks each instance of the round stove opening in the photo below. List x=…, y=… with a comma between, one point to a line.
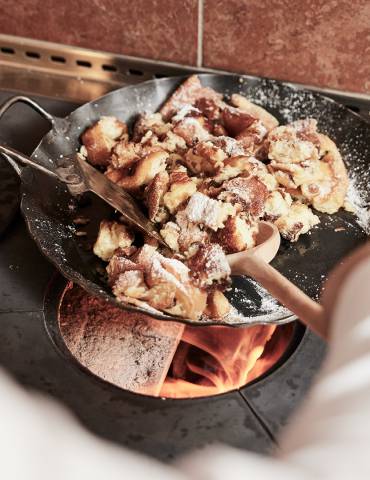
x=167, y=359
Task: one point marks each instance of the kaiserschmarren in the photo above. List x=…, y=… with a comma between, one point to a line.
x=207, y=171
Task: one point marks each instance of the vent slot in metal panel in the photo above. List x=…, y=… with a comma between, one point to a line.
x=80, y=75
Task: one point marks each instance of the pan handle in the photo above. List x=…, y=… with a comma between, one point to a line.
x=16, y=158
x=66, y=171
x=28, y=101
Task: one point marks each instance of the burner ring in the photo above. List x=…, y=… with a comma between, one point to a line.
x=52, y=301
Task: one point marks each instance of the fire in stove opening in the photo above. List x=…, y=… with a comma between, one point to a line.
x=213, y=360
x=152, y=357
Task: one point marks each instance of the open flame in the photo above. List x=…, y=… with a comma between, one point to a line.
x=212, y=360
x=152, y=357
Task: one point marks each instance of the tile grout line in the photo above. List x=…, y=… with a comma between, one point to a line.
x=260, y=420
x=200, y=33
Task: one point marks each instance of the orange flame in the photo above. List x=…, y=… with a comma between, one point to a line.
x=212, y=360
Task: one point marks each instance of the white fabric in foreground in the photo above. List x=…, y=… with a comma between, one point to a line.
x=330, y=434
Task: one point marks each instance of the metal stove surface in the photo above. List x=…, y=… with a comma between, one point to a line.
x=249, y=418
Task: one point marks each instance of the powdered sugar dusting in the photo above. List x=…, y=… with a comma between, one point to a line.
x=217, y=261
x=290, y=104
x=174, y=265
x=184, y=112
x=230, y=146
x=265, y=302
x=240, y=188
x=163, y=268
x=202, y=209
x=361, y=208
x=255, y=305
x=325, y=188
x=160, y=273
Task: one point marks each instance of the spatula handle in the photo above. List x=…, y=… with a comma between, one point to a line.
x=307, y=310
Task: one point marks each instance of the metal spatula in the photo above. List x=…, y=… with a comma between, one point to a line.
x=80, y=177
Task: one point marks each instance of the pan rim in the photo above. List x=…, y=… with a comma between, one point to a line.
x=287, y=317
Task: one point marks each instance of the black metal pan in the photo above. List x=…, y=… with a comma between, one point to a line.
x=49, y=209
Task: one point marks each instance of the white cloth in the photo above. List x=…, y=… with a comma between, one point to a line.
x=329, y=437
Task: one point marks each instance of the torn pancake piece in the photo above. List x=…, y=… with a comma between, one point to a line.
x=164, y=283
x=299, y=220
x=100, y=138
x=111, y=236
x=208, y=212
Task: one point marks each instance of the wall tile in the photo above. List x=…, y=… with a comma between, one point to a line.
x=158, y=29
x=321, y=42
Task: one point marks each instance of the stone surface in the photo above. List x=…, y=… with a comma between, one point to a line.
x=159, y=29
x=325, y=43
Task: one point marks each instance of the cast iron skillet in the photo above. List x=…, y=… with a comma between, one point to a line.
x=49, y=209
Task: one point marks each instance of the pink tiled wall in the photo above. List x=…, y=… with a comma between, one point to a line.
x=159, y=29
x=321, y=42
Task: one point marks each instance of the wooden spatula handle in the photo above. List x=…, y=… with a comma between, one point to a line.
x=307, y=310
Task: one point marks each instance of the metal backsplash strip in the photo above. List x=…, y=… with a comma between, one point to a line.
x=80, y=75
x=72, y=73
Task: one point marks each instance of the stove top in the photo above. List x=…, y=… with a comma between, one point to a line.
x=249, y=418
